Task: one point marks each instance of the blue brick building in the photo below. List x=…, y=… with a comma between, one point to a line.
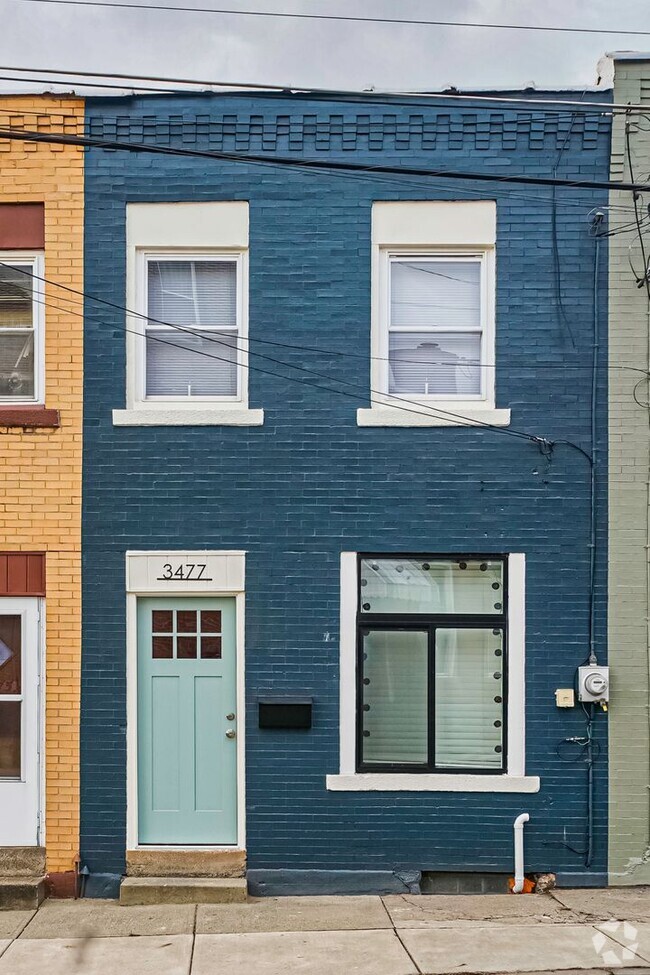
x=323, y=626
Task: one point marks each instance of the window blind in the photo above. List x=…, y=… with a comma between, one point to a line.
x=435, y=327
x=199, y=295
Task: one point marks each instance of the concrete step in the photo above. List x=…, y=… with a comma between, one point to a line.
x=182, y=890
x=21, y=893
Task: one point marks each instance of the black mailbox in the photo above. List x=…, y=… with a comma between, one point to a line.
x=285, y=712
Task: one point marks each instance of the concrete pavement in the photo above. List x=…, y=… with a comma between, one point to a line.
x=567, y=931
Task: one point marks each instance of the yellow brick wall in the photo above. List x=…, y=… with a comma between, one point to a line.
x=40, y=470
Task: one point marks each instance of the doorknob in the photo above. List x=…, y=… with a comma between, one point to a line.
x=230, y=733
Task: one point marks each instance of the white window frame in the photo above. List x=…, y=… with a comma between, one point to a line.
x=215, y=228
x=437, y=229
x=514, y=779
x=37, y=261
x=239, y=258
x=485, y=259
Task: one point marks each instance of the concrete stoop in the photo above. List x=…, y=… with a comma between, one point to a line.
x=21, y=893
x=182, y=890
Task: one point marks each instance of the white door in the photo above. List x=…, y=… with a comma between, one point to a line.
x=19, y=722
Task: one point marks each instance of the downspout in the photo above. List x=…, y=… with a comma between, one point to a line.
x=518, y=828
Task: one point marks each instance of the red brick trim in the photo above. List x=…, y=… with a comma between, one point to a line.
x=22, y=226
x=29, y=416
x=22, y=573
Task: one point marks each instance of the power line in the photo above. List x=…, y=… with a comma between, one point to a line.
x=374, y=177
x=331, y=166
x=293, y=91
x=416, y=408
x=283, y=345
x=227, y=11
x=397, y=402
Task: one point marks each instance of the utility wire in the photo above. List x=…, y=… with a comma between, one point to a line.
x=375, y=178
x=362, y=396
x=85, y=295
x=422, y=409
x=227, y=11
x=294, y=92
x=26, y=135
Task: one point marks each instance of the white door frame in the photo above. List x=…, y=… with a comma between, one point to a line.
x=32, y=731
x=143, y=578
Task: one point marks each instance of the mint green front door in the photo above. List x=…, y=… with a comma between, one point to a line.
x=187, y=721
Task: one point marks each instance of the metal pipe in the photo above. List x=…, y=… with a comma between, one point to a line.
x=518, y=828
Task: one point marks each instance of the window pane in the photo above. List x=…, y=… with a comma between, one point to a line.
x=193, y=292
x=211, y=647
x=440, y=364
x=186, y=647
x=210, y=621
x=162, y=647
x=469, y=698
x=161, y=621
x=435, y=294
x=10, y=739
x=186, y=621
x=394, y=715
x=191, y=365
x=17, y=364
x=10, y=655
x=16, y=296
x=431, y=586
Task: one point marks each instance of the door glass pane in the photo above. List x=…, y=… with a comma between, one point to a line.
x=162, y=621
x=186, y=647
x=162, y=647
x=432, y=586
x=10, y=739
x=186, y=621
x=394, y=710
x=469, y=698
x=210, y=621
x=211, y=647
x=440, y=364
x=10, y=655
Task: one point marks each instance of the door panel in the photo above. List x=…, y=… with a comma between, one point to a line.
x=187, y=767
x=19, y=722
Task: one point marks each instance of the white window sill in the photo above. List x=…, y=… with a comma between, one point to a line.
x=385, y=415
x=238, y=416
x=412, y=782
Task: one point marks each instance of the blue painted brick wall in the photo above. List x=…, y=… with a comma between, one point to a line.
x=310, y=483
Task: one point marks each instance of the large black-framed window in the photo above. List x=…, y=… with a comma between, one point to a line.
x=432, y=663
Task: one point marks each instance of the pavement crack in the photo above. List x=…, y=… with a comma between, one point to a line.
x=194, y=920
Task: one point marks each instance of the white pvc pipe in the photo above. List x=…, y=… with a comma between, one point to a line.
x=518, y=827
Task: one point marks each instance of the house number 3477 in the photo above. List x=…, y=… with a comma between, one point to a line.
x=183, y=572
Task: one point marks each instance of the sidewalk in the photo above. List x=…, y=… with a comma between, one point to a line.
x=567, y=931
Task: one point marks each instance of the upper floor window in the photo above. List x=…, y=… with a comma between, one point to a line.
x=193, y=328
x=433, y=315
x=435, y=326
x=187, y=324
x=21, y=328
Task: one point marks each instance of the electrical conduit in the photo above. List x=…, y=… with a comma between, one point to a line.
x=518, y=827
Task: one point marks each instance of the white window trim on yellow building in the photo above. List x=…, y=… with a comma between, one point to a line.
x=37, y=262
x=431, y=229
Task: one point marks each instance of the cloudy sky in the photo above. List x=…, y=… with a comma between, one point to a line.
x=325, y=54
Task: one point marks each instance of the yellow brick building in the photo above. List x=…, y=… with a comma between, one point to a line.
x=41, y=344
